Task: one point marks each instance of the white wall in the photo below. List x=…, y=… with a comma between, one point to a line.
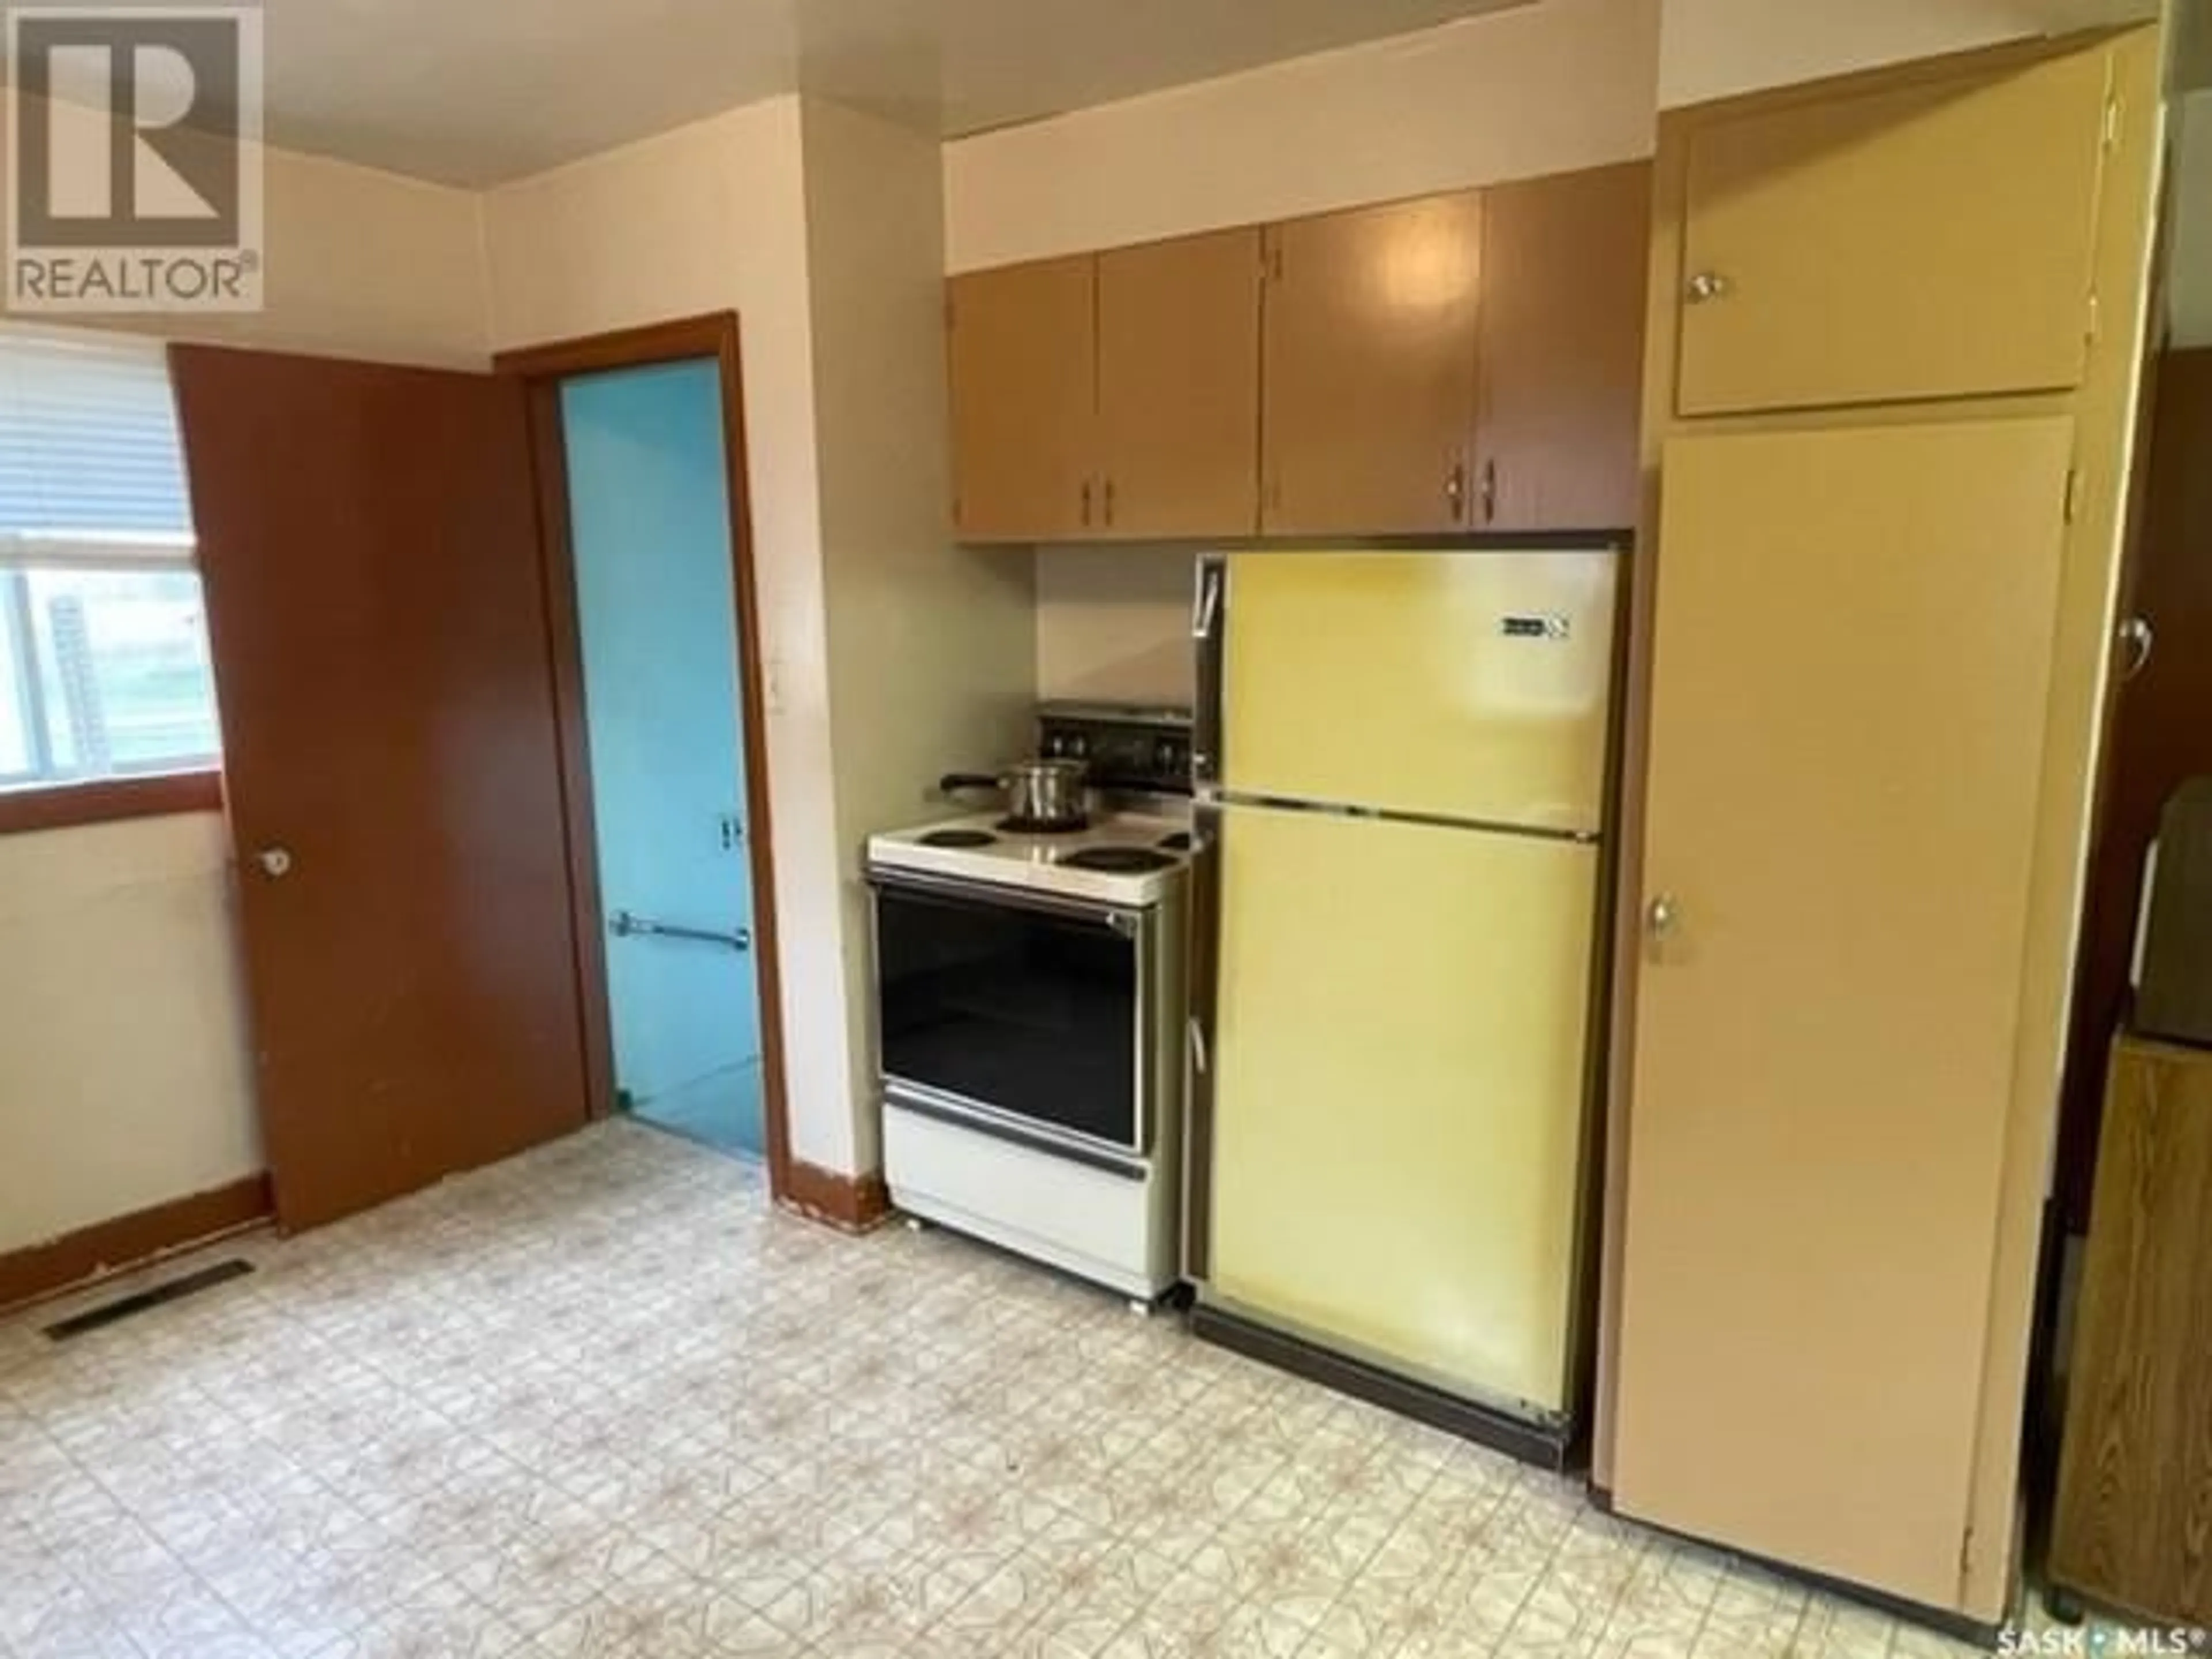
x=1712, y=49
x=1113, y=624
x=821, y=228
x=712, y=217
x=931, y=646
x=124, y=1072
x=125, y=1078
x=361, y=264
x=1568, y=83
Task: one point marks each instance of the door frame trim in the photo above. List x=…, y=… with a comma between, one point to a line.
x=712, y=335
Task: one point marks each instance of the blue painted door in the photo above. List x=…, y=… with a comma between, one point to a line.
x=649, y=517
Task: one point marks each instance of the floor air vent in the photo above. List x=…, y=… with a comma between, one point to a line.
x=108, y=1313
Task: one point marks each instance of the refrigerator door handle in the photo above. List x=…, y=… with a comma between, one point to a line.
x=1207, y=603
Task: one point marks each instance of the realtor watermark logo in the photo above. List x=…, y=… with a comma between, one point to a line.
x=2108, y=1641
x=134, y=168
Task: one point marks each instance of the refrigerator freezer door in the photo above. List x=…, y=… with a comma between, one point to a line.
x=1461, y=683
x=1398, y=1089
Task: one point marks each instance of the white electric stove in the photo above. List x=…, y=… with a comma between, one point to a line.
x=1031, y=1014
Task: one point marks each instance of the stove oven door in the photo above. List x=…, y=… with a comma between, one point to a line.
x=1016, y=1013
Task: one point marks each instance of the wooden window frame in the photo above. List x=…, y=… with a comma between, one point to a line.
x=109, y=801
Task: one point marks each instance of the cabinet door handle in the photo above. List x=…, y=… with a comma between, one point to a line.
x=2136, y=635
x=1490, y=491
x=1110, y=503
x=1086, y=503
x=1455, y=491
x=1707, y=285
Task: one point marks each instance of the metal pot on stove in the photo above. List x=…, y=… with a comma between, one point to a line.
x=1040, y=794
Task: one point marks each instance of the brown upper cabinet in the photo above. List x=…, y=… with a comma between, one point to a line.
x=1460, y=362
x=1110, y=396
x=1178, y=387
x=1021, y=354
x=1561, y=364
x=1372, y=325
x=1929, y=241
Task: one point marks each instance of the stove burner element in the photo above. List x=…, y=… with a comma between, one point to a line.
x=1044, y=826
x=1118, y=861
x=958, y=838
x=1178, y=843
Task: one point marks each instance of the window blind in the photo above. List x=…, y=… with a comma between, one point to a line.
x=91, y=467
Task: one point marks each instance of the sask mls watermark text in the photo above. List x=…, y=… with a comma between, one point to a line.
x=134, y=170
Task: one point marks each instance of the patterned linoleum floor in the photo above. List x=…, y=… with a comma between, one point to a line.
x=601, y=1402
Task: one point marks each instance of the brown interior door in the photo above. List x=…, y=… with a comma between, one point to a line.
x=368, y=540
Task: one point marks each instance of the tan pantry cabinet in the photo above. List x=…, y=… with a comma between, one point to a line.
x=1373, y=318
x=1021, y=355
x=1869, y=671
x=1929, y=241
x=1108, y=396
x=1561, y=363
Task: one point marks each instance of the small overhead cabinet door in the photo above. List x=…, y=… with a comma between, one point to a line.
x=1564, y=264
x=1179, y=387
x=1022, y=359
x=1929, y=241
x=1369, y=369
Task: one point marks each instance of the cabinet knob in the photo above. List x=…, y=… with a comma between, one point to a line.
x=275, y=862
x=2136, y=635
x=1706, y=285
x=1661, y=917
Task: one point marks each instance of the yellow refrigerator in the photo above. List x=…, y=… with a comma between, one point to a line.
x=1403, y=766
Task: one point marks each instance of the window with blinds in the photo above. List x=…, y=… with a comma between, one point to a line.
x=104, y=669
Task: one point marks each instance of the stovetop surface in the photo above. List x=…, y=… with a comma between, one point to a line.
x=1045, y=863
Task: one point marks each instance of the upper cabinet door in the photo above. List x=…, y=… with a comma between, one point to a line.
x=1022, y=356
x=1564, y=262
x=1931, y=241
x=1369, y=368
x=1179, y=387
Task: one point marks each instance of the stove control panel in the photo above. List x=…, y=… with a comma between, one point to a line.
x=1136, y=749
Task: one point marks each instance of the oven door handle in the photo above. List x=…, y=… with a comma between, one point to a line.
x=1128, y=924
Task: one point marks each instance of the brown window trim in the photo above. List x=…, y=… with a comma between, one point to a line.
x=104, y=800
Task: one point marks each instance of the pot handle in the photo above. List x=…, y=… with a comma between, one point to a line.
x=955, y=782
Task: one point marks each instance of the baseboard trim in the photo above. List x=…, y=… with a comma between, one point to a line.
x=74, y=1260
x=852, y=1204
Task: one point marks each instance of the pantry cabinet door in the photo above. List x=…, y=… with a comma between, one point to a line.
x=1564, y=261
x=1933, y=240
x=1851, y=673
x=1371, y=322
x=1179, y=387
x=1021, y=355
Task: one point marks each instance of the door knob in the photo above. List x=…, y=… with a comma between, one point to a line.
x=1706, y=285
x=275, y=862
